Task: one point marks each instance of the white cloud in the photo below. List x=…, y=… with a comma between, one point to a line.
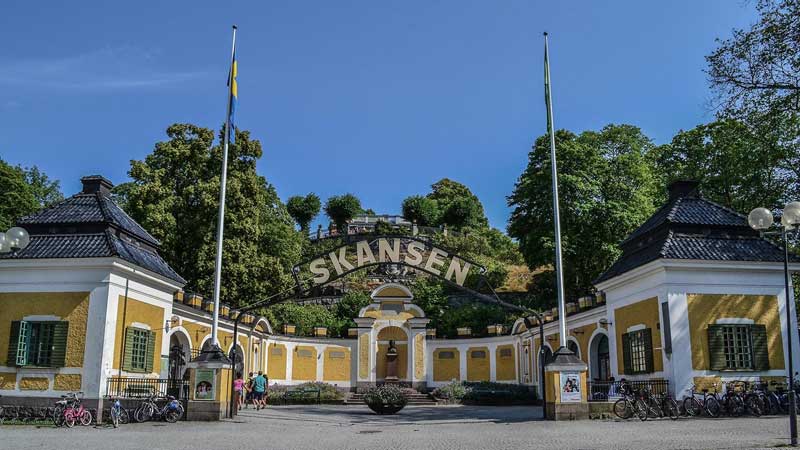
x=107, y=69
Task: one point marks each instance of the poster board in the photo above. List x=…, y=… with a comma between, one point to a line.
x=204, y=384
x=570, y=387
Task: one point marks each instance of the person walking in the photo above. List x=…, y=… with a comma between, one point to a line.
x=238, y=386
x=259, y=389
x=248, y=387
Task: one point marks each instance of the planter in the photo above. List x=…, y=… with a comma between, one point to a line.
x=385, y=408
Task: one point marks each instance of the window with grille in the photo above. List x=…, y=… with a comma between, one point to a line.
x=738, y=346
x=37, y=343
x=637, y=347
x=139, y=349
x=506, y=353
x=478, y=354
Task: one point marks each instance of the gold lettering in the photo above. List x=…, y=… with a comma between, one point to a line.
x=317, y=267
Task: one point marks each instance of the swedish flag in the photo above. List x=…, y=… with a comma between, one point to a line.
x=233, y=97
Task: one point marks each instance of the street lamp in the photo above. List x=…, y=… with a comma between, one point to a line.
x=14, y=239
x=761, y=219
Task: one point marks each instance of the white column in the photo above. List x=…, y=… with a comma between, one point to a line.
x=463, y=349
x=320, y=361
x=289, y=358
x=492, y=362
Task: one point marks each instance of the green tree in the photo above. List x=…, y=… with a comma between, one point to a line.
x=175, y=196
x=458, y=206
x=607, y=186
x=756, y=70
x=342, y=208
x=304, y=317
x=303, y=209
x=421, y=210
x=45, y=190
x=734, y=166
x=17, y=199
x=754, y=76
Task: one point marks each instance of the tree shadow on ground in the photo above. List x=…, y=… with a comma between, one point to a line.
x=410, y=415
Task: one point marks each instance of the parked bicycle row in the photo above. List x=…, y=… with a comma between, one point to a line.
x=736, y=399
x=70, y=411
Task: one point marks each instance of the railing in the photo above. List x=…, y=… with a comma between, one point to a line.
x=132, y=387
x=603, y=391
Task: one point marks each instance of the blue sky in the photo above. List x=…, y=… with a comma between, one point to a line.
x=380, y=99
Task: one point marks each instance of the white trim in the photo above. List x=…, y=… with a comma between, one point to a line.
x=734, y=321
x=41, y=318
x=140, y=325
x=637, y=327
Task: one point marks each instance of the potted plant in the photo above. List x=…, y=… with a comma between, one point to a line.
x=386, y=399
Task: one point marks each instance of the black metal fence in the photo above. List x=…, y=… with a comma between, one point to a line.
x=603, y=391
x=132, y=387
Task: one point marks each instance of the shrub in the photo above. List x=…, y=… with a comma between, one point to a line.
x=452, y=392
x=485, y=392
x=386, y=399
x=328, y=393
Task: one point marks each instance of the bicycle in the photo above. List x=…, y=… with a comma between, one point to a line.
x=629, y=404
x=172, y=411
x=710, y=403
x=117, y=413
x=71, y=411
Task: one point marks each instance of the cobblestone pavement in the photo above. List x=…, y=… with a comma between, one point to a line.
x=428, y=428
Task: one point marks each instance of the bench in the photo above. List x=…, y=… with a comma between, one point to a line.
x=303, y=393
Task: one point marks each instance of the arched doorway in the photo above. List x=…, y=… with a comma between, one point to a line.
x=239, y=366
x=573, y=347
x=599, y=354
x=179, y=354
x=387, y=336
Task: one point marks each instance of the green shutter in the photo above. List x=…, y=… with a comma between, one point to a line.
x=647, y=333
x=16, y=345
x=59, y=354
x=148, y=358
x=127, y=357
x=758, y=334
x=626, y=354
x=716, y=347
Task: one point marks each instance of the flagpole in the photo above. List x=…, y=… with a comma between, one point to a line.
x=221, y=217
x=562, y=313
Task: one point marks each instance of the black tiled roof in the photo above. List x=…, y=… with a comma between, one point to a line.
x=91, y=225
x=85, y=209
x=693, y=228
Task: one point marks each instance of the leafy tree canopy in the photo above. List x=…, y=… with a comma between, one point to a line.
x=608, y=184
x=303, y=209
x=458, y=206
x=421, y=210
x=175, y=195
x=341, y=208
x=734, y=166
x=24, y=191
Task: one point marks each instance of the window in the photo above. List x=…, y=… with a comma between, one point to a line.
x=637, y=351
x=304, y=353
x=506, y=353
x=738, y=347
x=276, y=351
x=337, y=354
x=738, y=351
x=37, y=343
x=139, y=350
x=447, y=355
x=478, y=354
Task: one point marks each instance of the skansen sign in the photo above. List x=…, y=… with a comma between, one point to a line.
x=407, y=251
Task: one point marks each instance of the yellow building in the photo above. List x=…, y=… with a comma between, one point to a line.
x=696, y=297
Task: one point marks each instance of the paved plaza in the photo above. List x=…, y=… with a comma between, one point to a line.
x=433, y=428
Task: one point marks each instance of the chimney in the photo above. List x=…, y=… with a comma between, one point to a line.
x=683, y=188
x=93, y=184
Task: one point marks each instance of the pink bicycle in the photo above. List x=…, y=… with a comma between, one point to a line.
x=74, y=412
